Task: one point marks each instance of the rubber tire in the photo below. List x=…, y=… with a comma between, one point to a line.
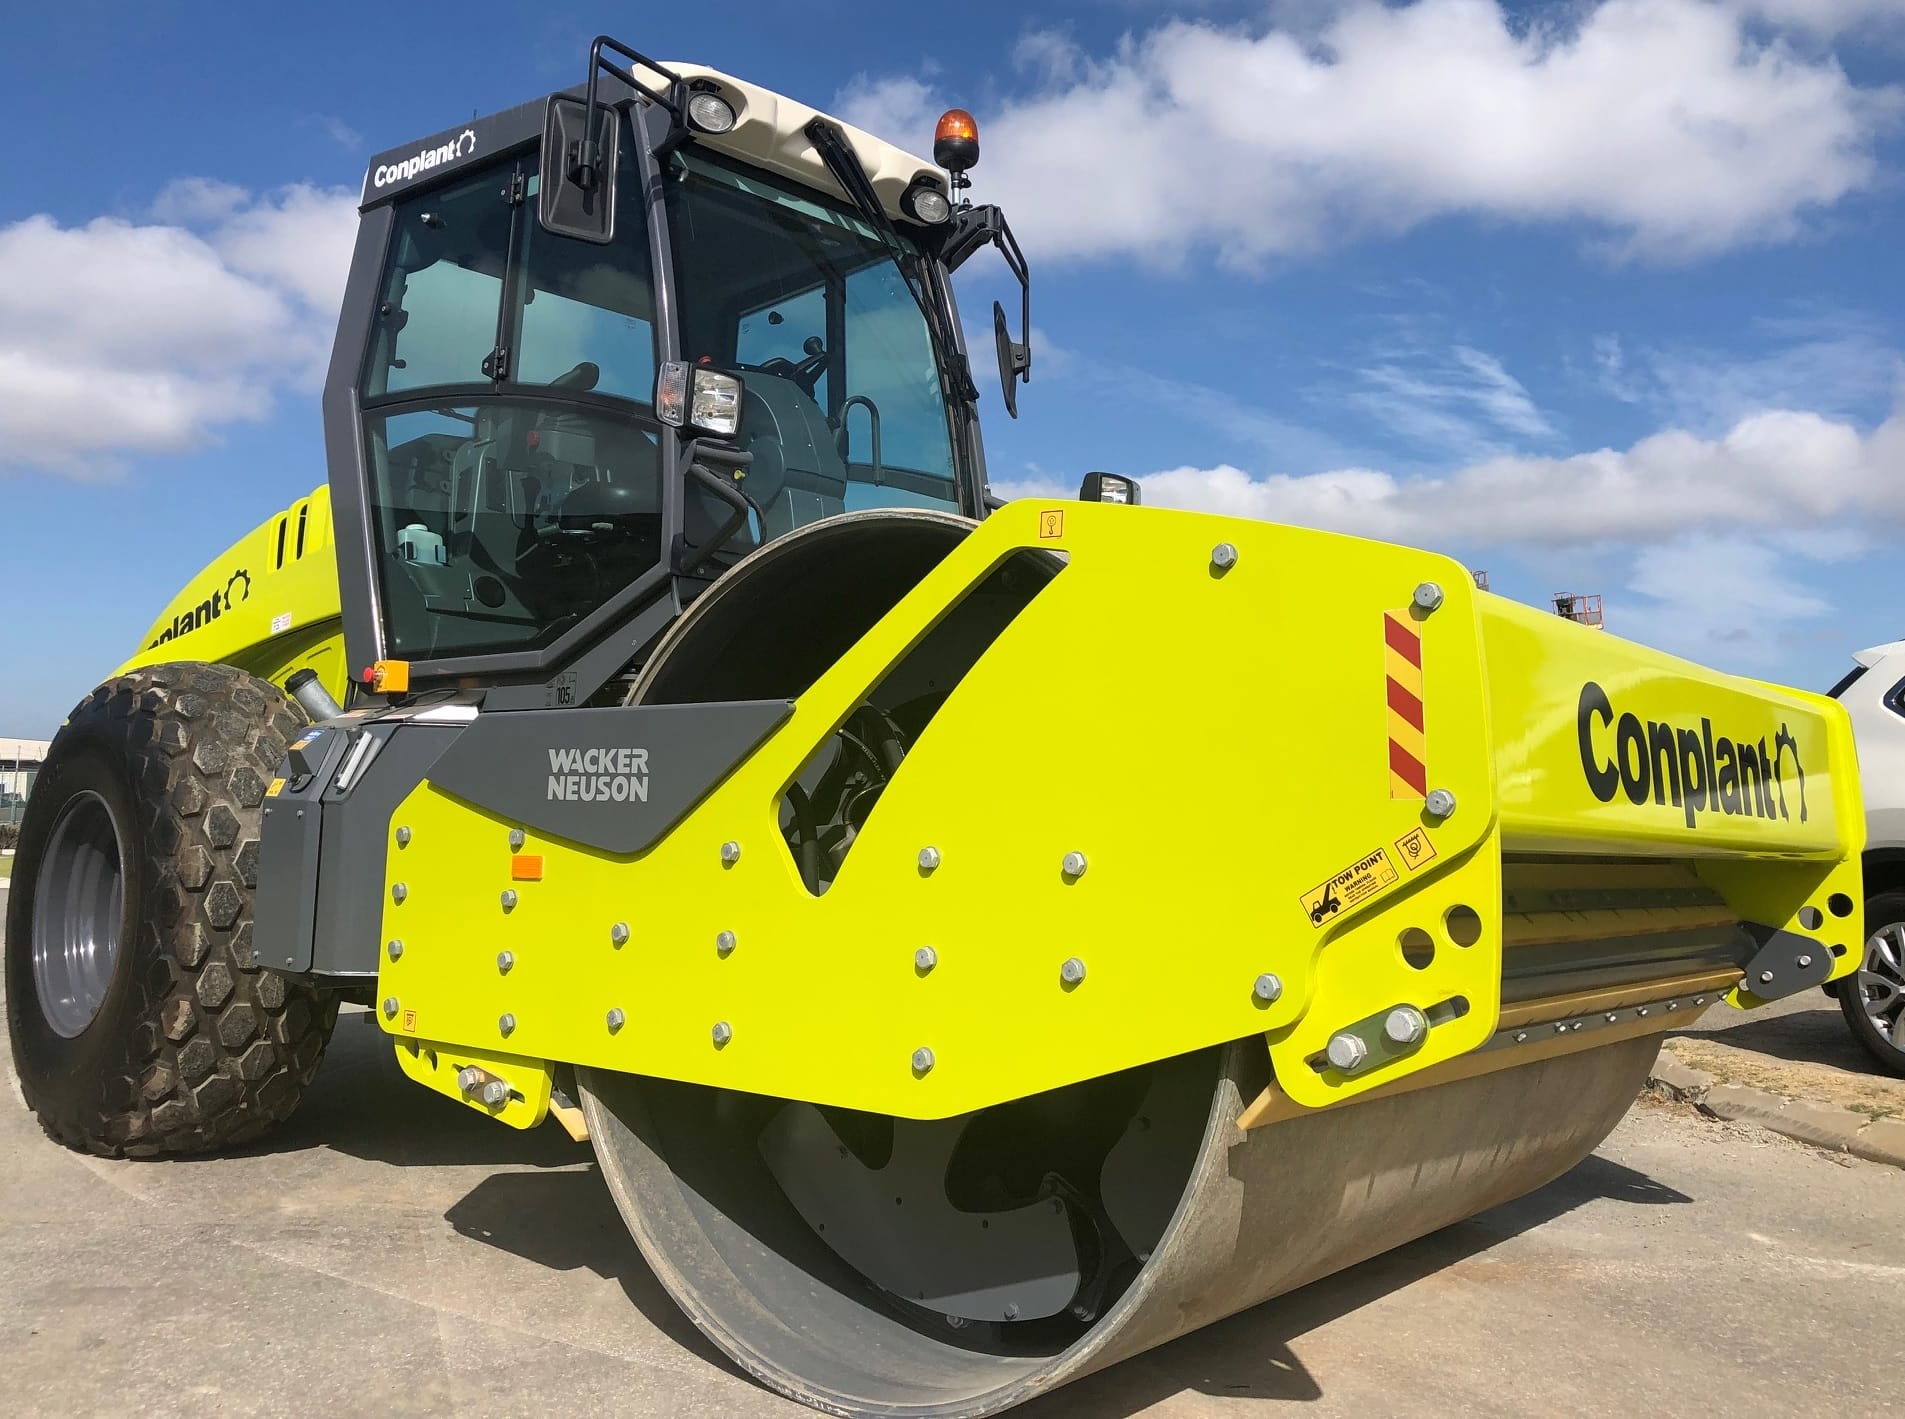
x=1881, y=909
x=194, y=1046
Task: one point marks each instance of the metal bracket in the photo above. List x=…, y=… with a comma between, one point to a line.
x=1785, y=964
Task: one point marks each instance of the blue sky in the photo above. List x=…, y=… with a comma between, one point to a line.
x=1597, y=296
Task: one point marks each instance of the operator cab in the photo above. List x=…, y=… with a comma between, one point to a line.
x=521, y=399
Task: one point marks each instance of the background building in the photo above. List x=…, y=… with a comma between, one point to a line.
x=20, y=761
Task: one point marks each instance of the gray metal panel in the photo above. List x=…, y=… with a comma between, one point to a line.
x=282, y=902
x=349, y=903
x=401, y=170
x=614, y=779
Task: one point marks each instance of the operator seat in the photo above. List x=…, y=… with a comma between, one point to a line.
x=797, y=475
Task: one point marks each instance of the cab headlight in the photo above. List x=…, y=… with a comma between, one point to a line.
x=926, y=203
x=700, y=398
x=710, y=113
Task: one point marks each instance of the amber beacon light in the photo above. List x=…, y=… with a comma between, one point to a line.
x=956, y=142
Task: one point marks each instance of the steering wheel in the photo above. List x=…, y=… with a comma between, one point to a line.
x=805, y=372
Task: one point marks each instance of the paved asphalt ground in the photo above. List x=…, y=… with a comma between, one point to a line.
x=391, y=1253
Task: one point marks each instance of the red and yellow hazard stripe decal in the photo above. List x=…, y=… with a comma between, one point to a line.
x=1408, y=745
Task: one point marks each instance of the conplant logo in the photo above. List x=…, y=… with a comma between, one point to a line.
x=386, y=173
x=237, y=589
x=1692, y=769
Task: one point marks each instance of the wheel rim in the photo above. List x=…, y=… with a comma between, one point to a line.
x=1881, y=983
x=77, y=900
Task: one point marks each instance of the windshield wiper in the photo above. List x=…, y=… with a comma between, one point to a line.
x=845, y=166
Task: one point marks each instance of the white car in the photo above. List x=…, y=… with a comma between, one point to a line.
x=1873, y=692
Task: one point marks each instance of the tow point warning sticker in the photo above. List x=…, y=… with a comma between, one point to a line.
x=1356, y=883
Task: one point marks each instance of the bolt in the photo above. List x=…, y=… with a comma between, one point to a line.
x=1766, y=977
x=1405, y=1025
x=1641, y=1011
x=1673, y=1004
x=509, y=899
x=730, y=853
x=1561, y=1027
x=1521, y=1036
x=390, y=1007
x=395, y=948
x=504, y=960
x=925, y=958
x=1803, y=962
x=922, y=1060
x=1073, y=971
x=957, y=1322
x=1612, y=1017
x=398, y=891
x=1428, y=596
x=1011, y=1312
x=618, y=934
x=1074, y=864
x=724, y=943
x=468, y=1078
x=1268, y=988
x=1347, y=1052
x=507, y=1024
x=723, y=1032
x=516, y=839
x=1440, y=803
x=1223, y=556
x=403, y=837
x=1699, y=1000
x=928, y=859
x=617, y=1019
x=496, y=1093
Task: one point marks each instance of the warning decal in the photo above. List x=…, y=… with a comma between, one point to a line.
x=1414, y=848
x=1051, y=523
x=1356, y=883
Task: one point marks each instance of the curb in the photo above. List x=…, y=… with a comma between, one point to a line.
x=1821, y=1125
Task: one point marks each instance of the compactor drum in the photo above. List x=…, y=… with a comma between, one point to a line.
x=980, y=941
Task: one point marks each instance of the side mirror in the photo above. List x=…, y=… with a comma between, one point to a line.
x=1015, y=360
x=578, y=171
x=1109, y=488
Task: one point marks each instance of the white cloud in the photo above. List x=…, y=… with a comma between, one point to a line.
x=1730, y=600
x=1665, y=127
x=119, y=338
x=1826, y=17
x=1774, y=472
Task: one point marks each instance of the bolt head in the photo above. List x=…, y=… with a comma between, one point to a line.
x=1803, y=962
x=1440, y=803
x=1268, y=989
x=505, y=960
x=1074, y=864
x=1612, y=1018
x=1561, y=1027
x=922, y=1060
x=1224, y=556
x=1346, y=1051
x=1641, y=1011
x=723, y=1032
x=516, y=839
x=617, y=1019
x=390, y=1007
x=618, y=934
x=509, y=899
x=403, y=837
x=507, y=1024
x=1521, y=1036
x=398, y=891
x=724, y=943
x=1405, y=1025
x=730, y=853
x=1766, y=977
x=394, y=949
x=496, y=1093
x=1011, y=1313
x=928, y=859
x=468, y=1077
x=1073, y=971
x=925, y=958
x=1428, y=596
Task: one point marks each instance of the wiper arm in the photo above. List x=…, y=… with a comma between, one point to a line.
x=845, y=166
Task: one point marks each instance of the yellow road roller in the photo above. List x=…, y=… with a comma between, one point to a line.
x=980, y=941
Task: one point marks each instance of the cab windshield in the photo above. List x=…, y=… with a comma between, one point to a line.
x=845, y=408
